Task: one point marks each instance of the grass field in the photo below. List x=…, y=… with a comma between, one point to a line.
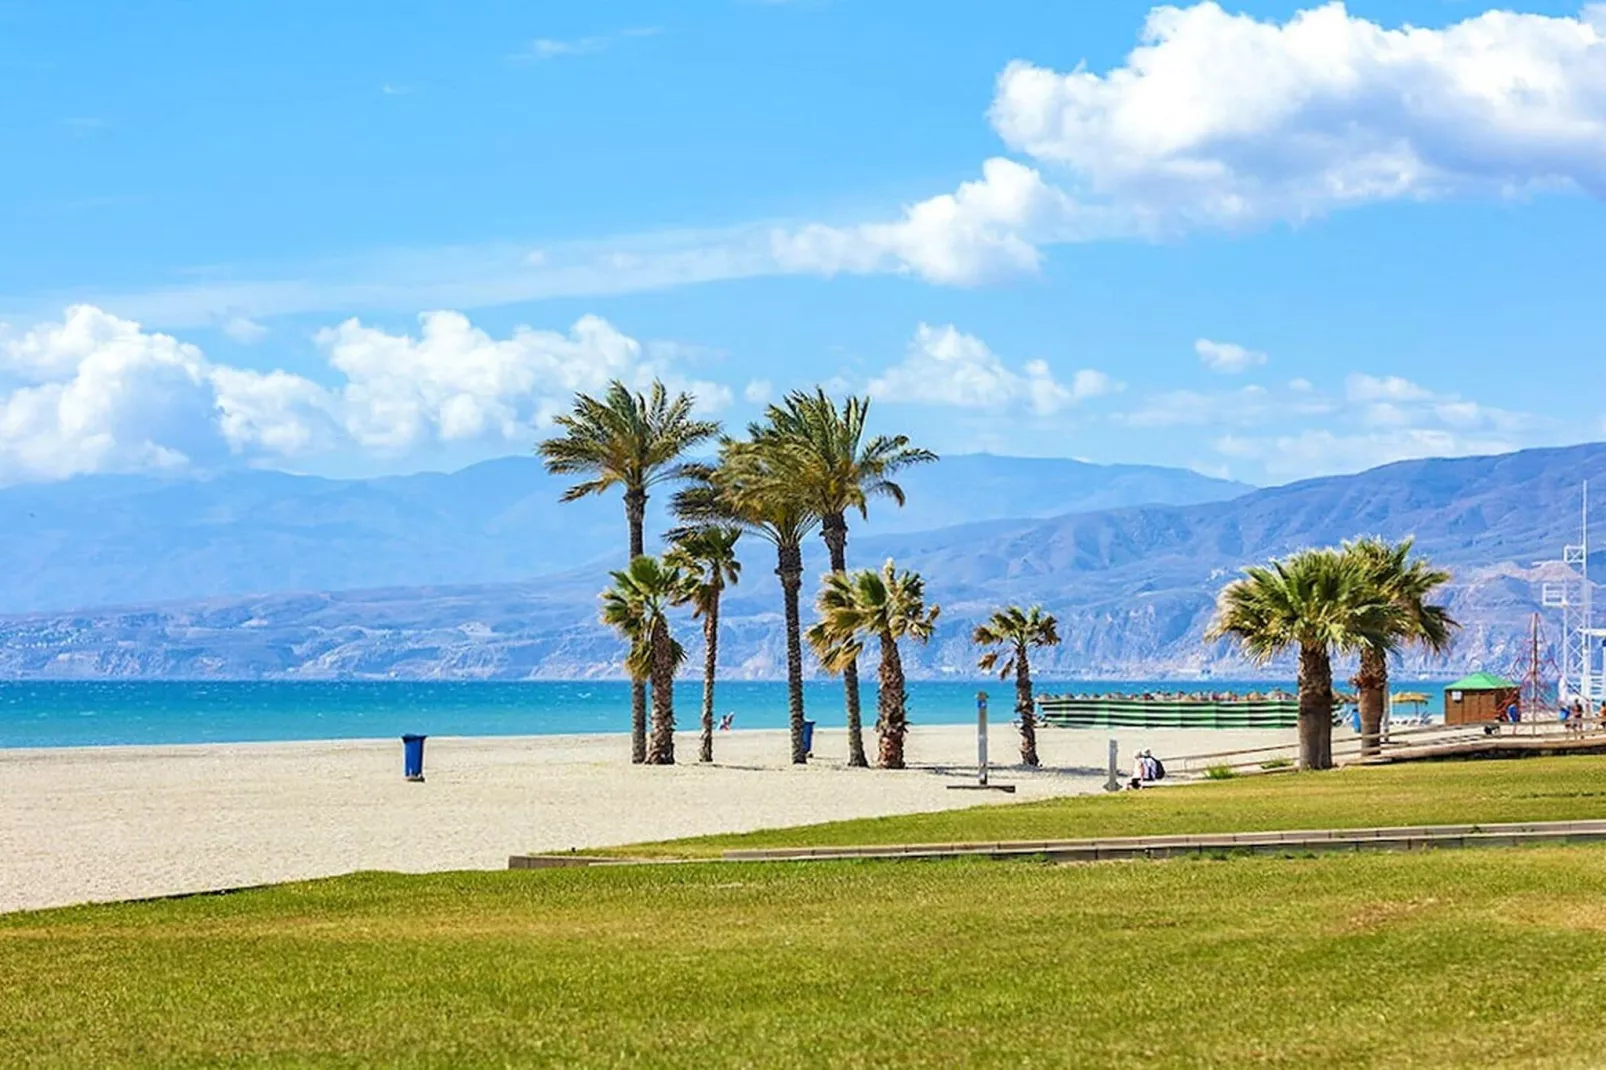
x=1530, y=789
x=1470, y=958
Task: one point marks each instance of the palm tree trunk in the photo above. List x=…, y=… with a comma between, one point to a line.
x=710, y=661
x=635, y=517
x=892, y=720
x=789, y=567
x=1024, y=709
x=834, y=530
x=1371, y=686
x=661, y=748
x=1315, y=707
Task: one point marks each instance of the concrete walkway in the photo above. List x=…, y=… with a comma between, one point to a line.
x=1410, y=838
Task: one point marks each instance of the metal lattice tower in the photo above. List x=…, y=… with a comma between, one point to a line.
x=1572, y=593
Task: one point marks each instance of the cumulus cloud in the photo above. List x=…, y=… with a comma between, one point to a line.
x=97, y=393
x=987, y=228
x=1221, y=118
x=94, y=393
x=944, y=366
x=1227, y=357
x=1226, y=120
x=758, y=391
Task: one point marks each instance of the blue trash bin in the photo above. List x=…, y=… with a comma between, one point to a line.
x=413, y=758
x=808, y=738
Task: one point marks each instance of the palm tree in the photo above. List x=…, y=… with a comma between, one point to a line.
x=750, y=488
x=889, y=605
x=837, y=470
x=1407, y=583
x=1319, y=601
x=632, y=441
x=707, y=555
x=637, y=606
x=1017, y=631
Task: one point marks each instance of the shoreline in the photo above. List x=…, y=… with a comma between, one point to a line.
x=98, y=823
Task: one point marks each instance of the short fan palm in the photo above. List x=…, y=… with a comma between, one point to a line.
x=1318, y=602
x=1015, y=632
x=637, y=606
x=886, y=605
x=1407, y=583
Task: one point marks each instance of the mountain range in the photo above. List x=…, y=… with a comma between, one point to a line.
x=1133, y=586
x=120, y=540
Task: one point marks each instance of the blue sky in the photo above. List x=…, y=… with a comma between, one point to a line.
x=1268, y=245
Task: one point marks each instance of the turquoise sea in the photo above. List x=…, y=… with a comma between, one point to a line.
x=74, y=714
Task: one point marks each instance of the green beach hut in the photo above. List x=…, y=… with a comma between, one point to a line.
x=1477, y=698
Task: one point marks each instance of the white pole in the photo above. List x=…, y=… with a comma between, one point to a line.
x=1114, y=783
x=981, y=737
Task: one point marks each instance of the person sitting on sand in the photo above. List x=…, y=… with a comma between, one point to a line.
x=725, y=722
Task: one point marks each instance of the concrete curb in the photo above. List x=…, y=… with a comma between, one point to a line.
x=1304, y=841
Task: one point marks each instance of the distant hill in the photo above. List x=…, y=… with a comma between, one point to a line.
x=106, y=540
x=1133, y=588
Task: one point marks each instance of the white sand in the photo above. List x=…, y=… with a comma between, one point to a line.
x=102, y=823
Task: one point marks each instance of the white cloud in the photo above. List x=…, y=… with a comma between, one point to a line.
x=1248, y=406
x=944, y=366
x=1221, y=118
x=96, y=393
x=550, y=47
x=1227, y=357
x=987, y=228
x=1215, y=120
x=1375, y=420
x=243, y=330
x=1323, y=451
x=758, y=391
x=1388, y=388
x=453, y=381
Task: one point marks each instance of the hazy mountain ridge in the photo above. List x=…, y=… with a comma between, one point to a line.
x=1133, y=588
x=118, y=540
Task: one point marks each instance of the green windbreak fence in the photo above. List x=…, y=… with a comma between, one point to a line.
x=1071, y=711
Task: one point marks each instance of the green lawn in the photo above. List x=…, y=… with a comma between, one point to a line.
x=1474, y=958
x=1530, y=789
x=1470, y=958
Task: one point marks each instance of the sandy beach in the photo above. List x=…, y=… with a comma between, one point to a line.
x=107, y=823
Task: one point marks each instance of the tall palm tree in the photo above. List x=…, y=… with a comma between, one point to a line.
x=888, y=605
x=1017, y=631
x=632, y=441
x=707, y=555
x=750, y=488
x=637, y=606
x=1319, y=601
x=837, y=470
x=1406, y=582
